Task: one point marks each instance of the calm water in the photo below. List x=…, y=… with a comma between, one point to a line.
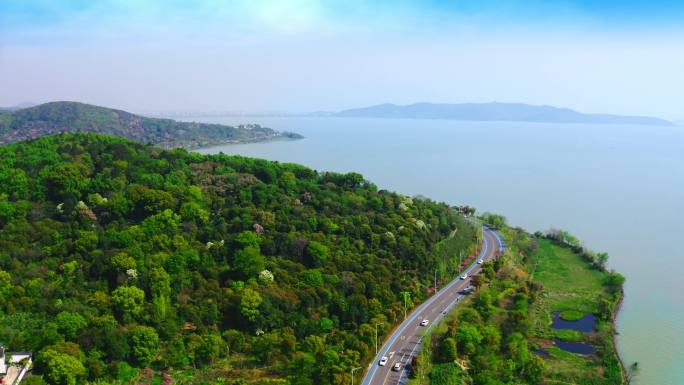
x=618, y=188
x=575, y=347
x=586, y=324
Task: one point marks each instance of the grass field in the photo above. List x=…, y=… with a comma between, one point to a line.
x=573, y=287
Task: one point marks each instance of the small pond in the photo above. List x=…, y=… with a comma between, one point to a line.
x=542, y=353
x=575, y=347
x=585, y=324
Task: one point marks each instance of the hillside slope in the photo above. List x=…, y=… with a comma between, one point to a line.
x=115, y=256
x=71, y=117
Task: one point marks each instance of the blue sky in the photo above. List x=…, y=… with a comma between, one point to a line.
x=298, y=55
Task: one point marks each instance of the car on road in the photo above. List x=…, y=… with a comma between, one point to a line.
x=424, y=322
x=445, y=310
x=396, y=366
x=464, y=276
x=480, y=261
x=383, y=361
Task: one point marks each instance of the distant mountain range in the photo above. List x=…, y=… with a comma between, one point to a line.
x=514, y=112
x=71, y=117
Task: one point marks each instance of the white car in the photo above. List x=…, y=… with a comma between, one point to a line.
x=396, y=366
x=480, y=261
x=424, y=322
x=464, y=276
x=383, y=361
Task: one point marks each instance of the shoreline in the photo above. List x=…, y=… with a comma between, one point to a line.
x=618, y=306
x=278, y=138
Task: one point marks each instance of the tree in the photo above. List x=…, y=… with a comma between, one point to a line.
x=33, y=380
x=129, y=301
x=534, y=369
x=614, y=281
x=144, y=344
x=165, y=222
x=153, y=201
x=212, y=348
x=61, y=368
x=64, y=179
x=5, y=283
x=317, y=253
x=247, y=239
x=123, y=262
x=192, y=211
x=249, y=262
x=288, y=181
x=447, y=349
x=468, y=337
x=160, y=286
x=313, y=277
x=7, y=210
x=249, y=304
x=494, y=220
x=303, y=367
x=70, y=323
x=601, y=260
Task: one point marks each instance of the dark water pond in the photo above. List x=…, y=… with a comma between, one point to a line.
x=575, y=347
x=585, y=324
x=542, y=353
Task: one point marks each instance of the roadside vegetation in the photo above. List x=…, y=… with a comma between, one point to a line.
x=502, y=333
x=122, y=263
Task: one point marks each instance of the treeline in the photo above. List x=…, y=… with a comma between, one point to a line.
x=116, y=255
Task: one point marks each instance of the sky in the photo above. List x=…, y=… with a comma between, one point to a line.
x=623, y=57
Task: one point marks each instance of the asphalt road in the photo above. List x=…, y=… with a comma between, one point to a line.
x=404, y=343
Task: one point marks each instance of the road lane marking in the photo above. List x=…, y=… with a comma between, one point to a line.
x=384, y=380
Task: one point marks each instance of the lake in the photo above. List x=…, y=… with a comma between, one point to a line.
x=618, y=188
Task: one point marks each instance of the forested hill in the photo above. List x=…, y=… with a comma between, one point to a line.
x=116, y=256
x=71, y=117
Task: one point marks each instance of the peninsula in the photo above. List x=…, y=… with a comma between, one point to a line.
x=71, y=117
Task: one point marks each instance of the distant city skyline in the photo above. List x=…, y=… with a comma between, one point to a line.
x=303, y=56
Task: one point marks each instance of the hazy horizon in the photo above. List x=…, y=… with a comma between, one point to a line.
x=301, y=56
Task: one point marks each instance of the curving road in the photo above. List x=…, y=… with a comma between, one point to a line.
x=405, y=341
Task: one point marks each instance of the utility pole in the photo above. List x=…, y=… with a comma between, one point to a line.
x=405, y=294
x=435, y=280
x=376, y=337
x=352, y=374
